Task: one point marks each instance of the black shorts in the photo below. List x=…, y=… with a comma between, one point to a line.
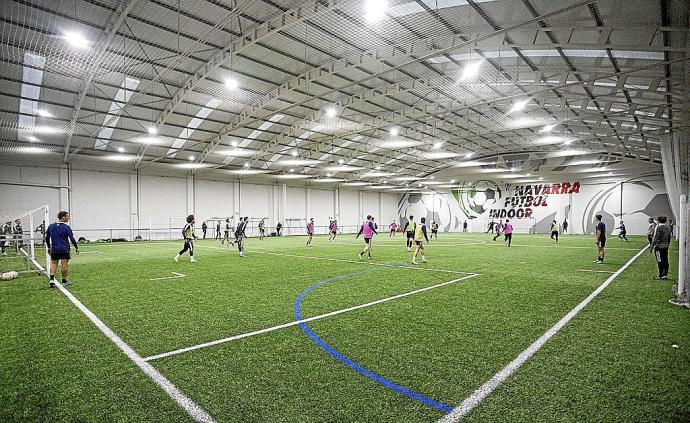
x=418, y=242
x=601, y=243
x=56, y=256
x=367, y=240
x=434, y=231
x=410, y=234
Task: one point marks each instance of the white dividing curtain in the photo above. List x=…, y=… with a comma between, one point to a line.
x=670, y=160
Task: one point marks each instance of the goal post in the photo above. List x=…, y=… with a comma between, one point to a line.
x=295, y=226
x=22, y=236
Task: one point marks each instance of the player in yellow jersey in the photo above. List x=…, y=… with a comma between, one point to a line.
x=188, y=235
x=555, y=229
x=420, y=236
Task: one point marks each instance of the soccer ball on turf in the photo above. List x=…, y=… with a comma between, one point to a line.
x=9, y=276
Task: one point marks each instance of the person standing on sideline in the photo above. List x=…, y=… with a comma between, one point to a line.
x=660, y=244
x=554, y=231
x=409, y=230
x=650, y=232
x=434, y=230
x=600, y=233
x=464, y=226
x=499, y=229
x=279, y=229
x=58, y=237
x=393, y=227
x=508, y=232
x=204, y=228
x=623, y=232
x=565, y=226
x=310, y=231
x=368, y=230
x=419, y=238
x=188, y=236
x=218, y=231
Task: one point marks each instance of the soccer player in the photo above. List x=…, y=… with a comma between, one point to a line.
x=565, y=226
x=18, y=235
x=409, y=230
x=419, y=237
x=240, y=234
x=218, y=230
x=279, y=228
x=204, y=228
x=334, y=230
x=623, y=232
x=508, y=232
x=660, y=244
x=41, y=229
x=310, y=231
x=369, y=230
x=434, y=229
x=262, y=229
x=5, y=230
x=650, y=232
x=226, y=235
x=490, y=229
x=58, y=237
x=188, y=235
x=393, y=227
x=499, y=229
x=554, y=231
x=464, y=226
x=600, y=234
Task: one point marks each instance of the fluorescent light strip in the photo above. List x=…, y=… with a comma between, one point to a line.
x=191, y=126
x=122, y=96
x=618, y=54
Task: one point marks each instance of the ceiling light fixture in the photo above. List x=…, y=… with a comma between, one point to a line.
x=375, y=10
x=469, y=155
x=518, y=106
x=234, y=144
x=331, y=112
x=394, y=132
x=231, y=84
x=32, y=138
x=548, y=128
x=471, y=70
x=76, y=40
x=191, y=158
x=438, y=145
x=121, y=150
x=43, y=113
x=294, y=153
x=152, y=130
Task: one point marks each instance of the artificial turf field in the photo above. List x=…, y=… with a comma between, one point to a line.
x=614, y=361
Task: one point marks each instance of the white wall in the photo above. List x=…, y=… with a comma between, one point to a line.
x=99, y=201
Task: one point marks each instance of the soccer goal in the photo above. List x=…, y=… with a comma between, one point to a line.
x=22, y=240
x=295, y=226
x=252, y=229
x=166, y=228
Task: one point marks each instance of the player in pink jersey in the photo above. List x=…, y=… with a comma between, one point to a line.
x=310, y=231
x=508, y=232
x=393, y=227
x=368, y=229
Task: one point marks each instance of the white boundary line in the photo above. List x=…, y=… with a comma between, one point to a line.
x=177, y=276
x=91, y=252
x=310, y=319
x=489, y=386
x=595, y=271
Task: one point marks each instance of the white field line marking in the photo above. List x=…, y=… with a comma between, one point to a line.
x=364, y=262
x=595, y=271
x=401, y=246
x=196, y=412
x=91, y=252
x=177, y=275
x=309, y=319
x=560, y=247
x=489, y=386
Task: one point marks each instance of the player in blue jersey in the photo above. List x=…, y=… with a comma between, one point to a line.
x=58, y=238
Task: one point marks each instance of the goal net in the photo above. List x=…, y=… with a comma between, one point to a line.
x=520, y=226
x=253, y=226
x=165, y=228
x=295, y=226
x=22, y=241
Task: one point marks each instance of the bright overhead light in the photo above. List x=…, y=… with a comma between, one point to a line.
x=377, y=174
x=518, y=106
x=246, y=165
x=394, y=132
x=341, y=161
x=297, y=162
x=513, y=169
x=329, y=174
x=237, y=152
x=76, y=40
x=552, y=139
x=248, y=171
x=438, y=145
x=293, y=176
x=568, y=142
x=327, y=180
x=452, y=181
x=436, y=155
x=191, y=158
x=292, y=170
x=474, y=163
x=375, y=10
x=377, y=168
x=193, y=165
x=120, y=149
x=231, y=84
x=32, y=138
x=471, y=70
x=33, y=150
x=148, y=140
x=548, y=128
x=331, y=112
x=399, y=143
x=343, y=168
x=234, y=144
x=469, y=155
x=121, y=157
x=541, y=178
x=294, y=153
x=43, y=113
x=584, y=162
x=152, y=130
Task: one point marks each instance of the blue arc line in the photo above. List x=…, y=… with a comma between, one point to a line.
x=340, y=357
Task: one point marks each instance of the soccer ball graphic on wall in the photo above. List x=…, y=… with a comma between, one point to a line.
x=477, y=198
x=434, y=207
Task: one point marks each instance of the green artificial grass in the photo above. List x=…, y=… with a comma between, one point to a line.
x=612, y=362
